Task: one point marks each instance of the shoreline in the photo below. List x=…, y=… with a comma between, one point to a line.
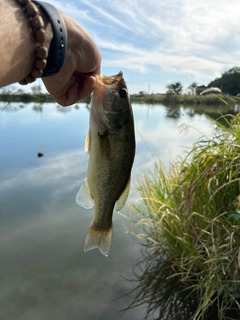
x=167, y=99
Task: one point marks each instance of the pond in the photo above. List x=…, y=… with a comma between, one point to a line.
x=44, y=272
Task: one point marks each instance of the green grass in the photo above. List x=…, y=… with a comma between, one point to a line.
x=190, y=226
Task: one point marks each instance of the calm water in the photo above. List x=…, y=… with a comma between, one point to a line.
x=44, y=273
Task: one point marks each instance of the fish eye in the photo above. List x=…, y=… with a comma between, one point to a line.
x=123, y=92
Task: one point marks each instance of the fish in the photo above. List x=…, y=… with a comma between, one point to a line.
x=111, y=145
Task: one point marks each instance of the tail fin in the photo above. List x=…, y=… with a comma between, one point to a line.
x=99, y=238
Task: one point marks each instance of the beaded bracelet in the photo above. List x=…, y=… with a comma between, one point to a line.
x=37, y=24
x=46, y=64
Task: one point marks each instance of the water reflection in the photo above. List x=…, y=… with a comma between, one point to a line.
x=38, y=108
x=173, y=112
x=164, y=294
x=11, y=107
x=162, y=289
x=44, y=272
x=212, y=111
x=171, y=109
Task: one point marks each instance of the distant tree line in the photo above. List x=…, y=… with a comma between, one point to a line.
x=11, y=94
x=229, y=83
x=26, y=97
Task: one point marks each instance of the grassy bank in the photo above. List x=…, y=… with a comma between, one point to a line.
x=27, y=98
x=168, y=99
x=190, y=221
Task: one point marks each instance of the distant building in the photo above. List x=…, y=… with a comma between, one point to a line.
x=211, y=90
x=200, y=89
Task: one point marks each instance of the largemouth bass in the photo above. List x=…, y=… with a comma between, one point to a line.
x=111, y=147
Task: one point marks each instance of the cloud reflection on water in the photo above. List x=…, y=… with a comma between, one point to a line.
x=44, y=272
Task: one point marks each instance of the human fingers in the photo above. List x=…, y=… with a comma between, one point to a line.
x=77, y=91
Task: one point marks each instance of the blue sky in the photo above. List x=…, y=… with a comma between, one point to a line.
x=160, y=42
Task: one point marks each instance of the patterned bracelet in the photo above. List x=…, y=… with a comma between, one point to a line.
x=46, y=63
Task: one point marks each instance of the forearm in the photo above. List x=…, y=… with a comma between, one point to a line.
x=18, y=43
x=75, y=78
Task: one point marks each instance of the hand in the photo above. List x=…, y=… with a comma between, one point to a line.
x=76, y=78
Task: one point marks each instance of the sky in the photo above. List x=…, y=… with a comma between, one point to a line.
x=156, y=43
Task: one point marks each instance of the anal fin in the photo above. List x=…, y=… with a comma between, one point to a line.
x=123, y=198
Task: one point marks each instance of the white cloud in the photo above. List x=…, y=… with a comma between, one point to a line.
x=104, y=13
x=180, y=37
x=54, y=170
x=181, y=40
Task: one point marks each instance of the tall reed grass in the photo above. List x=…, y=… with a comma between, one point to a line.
x=190, y=227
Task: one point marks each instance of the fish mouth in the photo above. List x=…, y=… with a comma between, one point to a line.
x=112, y=79
x=109, y=80
x=103, y=81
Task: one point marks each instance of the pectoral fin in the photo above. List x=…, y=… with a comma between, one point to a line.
x=84, y=198
x=123, y=198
